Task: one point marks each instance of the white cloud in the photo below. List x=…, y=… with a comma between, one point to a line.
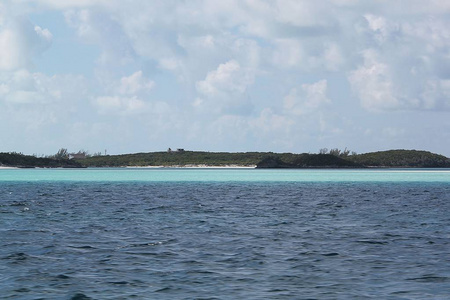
x=316, y=93
x=373, y=84
x=100, y=28
x=404, y=69
x=333, y=57
x=23, y=87
x=225, y=66
x=272, y=124
x=135, y=83
x=2, y=14
x=436, y=94
x=4, y=89
x=20, y=42
x=45, y=34
x=197, y=55
x=120, y=105
x=308, y=99
x=225, y=87
x=227, y=78
x=289, y=53
x=126, y=96
x=169, y=63
x=39, y=108
x=10, y=57
x=298, y=13
x=379, y=26
x=58, y=4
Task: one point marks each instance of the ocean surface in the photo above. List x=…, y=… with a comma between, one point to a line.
x=224, y=234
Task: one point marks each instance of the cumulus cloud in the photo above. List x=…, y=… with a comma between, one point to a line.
x=126, y=96
x=120, y=105
x=227, y=78
x=38, y=109
x=373, y=84
x=289, y=53
x=135, y=83
x=297, y=13
x=307, y=99
x=260, y=68
x=100, y=28
x=57, y=4
x=24, y=87
x=382, y=29
x=20, y=42
x=277, y=126
x=224, y=88
x=406, y=67
x=196, y=55
x=436, y=94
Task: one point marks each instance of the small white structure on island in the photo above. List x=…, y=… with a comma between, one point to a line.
x=77, y=155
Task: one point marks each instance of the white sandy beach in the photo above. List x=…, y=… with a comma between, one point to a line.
x=195, y=167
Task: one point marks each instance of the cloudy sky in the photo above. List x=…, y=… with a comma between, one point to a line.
x=232, y=75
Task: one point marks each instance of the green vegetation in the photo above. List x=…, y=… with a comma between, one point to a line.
x=333, y=158
x=20, y=160
x=401, y=158
x=327, y=159
x=308, y=161
x=175, y=158
x=61, y=154
x=186, y=158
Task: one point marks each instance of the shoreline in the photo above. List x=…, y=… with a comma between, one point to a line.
x=204, y=166
x=194, y=166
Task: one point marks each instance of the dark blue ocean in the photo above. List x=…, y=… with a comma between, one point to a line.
x=224, y=239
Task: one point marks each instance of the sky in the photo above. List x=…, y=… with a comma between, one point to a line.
x=234, y=75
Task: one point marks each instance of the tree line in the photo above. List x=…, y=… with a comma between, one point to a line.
x=325, y=158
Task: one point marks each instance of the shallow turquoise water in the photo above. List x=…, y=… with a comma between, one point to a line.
x=225, y=175
x=224, y=234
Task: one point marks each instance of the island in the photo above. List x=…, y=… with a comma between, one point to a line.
x=181, y=158
x=381, y=159
x=19, y=160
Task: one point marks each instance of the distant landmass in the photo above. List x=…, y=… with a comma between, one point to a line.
x=308, y=161
x=19, y=160
x=381, y=159
x=181, y=158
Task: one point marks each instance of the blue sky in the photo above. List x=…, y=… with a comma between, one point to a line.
x=236, y=75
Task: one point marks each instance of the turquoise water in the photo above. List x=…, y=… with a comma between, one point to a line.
x=224, y=234
x=225, y=175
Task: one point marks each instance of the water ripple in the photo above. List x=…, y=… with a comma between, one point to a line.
x=224, y=240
